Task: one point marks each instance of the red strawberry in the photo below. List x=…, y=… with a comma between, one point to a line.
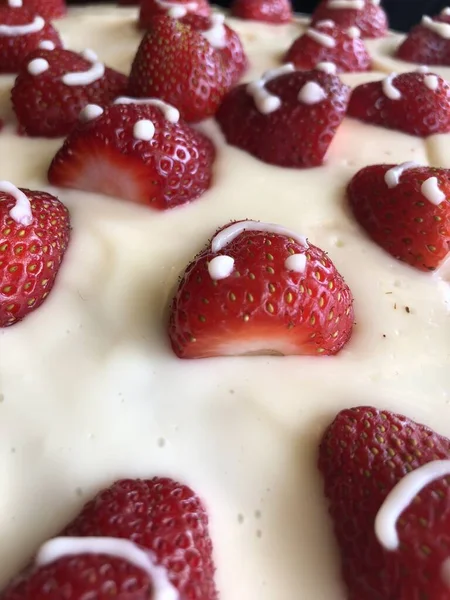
x=176, y=10
x=406, y=210
x=140, y=153
x=48, y=105
x=260, y=289
x=366, y=15
x=290, y=120
x=269, y=11
x=21, y=32
x=225, y=40
x=428, y=43
x=47, y=9
x=30, y=252
x=416, y=103
x=176, y=63
x=160, y=519
x=364, y=453
x=327, y=43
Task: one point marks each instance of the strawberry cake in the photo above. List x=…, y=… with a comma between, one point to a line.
x=223, y=281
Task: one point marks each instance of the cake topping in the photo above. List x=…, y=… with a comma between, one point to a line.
x=46, y=45
x=423, y=69
x=37, y=66
x=296, y=262
x=389, y=89
x=144, y=129
x=94, y=73
x=367, y=16
x=65, y=547
x=321, y=38
x=15, y=30
x=430, y=189
x=220, y=267
x=311, y=93
x=327, y=67
x=171, y=113
x=441, y=29
x=269, y=11
x=346, y=4
x=446, y=11
x=266, y=102
x=326, y=23
x=216, y=34
x=354, y=32
x=90, y=112
x=392, y=176
x=226, y=235
x=21, y=211
x=15, y=3
x=431, y=82
x=176, y=10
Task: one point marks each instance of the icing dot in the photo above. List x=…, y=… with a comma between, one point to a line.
x=392, y=177
x=354, y=32
x=430, y=189
x=311, y=93
x=15, y=3
x=171, y=113
x=221, y=267
x=422, y=69
x=12, y=30
x=94, y=73
x=327, y=67
x=389, y=90
x=46, y=45
x=345, y=4
x=265, y=101
x=144, y=130
x=321, y=38
x=441, y=29
x=431, y=82
x=216, y=34
x=296, y=262
x=445, y=11
x=21, y=211
x=90, y=112
x=177, y=10
x=227, y=235
x=37, y=66
x=325, y=23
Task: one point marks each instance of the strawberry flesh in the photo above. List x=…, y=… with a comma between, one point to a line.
x=424, y=46
x=268, y=11
x=48, y=9
x=155, y=8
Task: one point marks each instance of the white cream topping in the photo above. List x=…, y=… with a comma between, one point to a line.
x=15, y=30
x=94, y=73
x=46, y=45
x=430, y=189
x=64, y=547
x=441, y=29
x=37, y=66
x=177, y=10
x=296, y=262
x=21, y=212
x=216, y=34
x=401, y=496
x=423, y=69
x=90, y=112
x=445, y=11
x=327, y=67
x=227, y=235
x=392, y=177
x=311, y=93
x=321, y=38
x=326, y=23
x=15, y=3
x=431, y=82
x=389, y=89
x=265, y=101
x=221, y=267
x=144, y=129
x=354, y=32
x=170, y=113
x=343, y=4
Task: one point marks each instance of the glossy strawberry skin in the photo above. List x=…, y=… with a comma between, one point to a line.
x=420, y=111
x=268, y=11
x=349, y=54
x=48, y=9
x=400, y=219
x=47, y=107
x=153, y=8
x=171, y=169
x=296, y=135
x=14, y=49
x=30, y=256
x=160, y=515
x=262, y=307
x=175, y=63
x=424, y=47
x=363, y=454
x=371, y=20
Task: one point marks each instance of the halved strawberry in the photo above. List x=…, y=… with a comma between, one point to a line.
x=428, y=43
x=366, y=15
x=286, y=118
x=269, y=11
x=178, y=65
x=34, y=234
x=136, y=540
x=259, y=288
x=47, y=9
x=416, y=103
x=138, y=152
x=406, y=210
x=363, y=455
x=175, y=9
x=54, y=85
x=328, y=43
x=21, y=32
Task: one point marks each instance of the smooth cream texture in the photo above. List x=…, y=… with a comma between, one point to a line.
x=90, y=390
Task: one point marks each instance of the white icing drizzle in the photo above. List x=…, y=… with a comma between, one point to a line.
x=431, y=82
x=326, y=23
x=296, y=262
x=231, y=232
x=177, y=10
x=401, y=496
x=265, y=101
x=46, y=45
x=340, y=4
x=327, y=67
x=311, y=93
x=422, y=69
x=15, y=3
x=127, y=550
x=220, y=267
x=441, y=29
x=94, y=73
x=446, y=11
x=14, y=30
x=389, y=89
x=216, y=34
x=170, y=113
x=37, y=66
x=375, y=2
x=354, y=32
x=430, y=189
x=90, y=112
x=21, y=211
x=392, y=177
x=144, y=129
x=321, y=38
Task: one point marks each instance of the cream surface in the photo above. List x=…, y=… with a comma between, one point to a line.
x=90, y=390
